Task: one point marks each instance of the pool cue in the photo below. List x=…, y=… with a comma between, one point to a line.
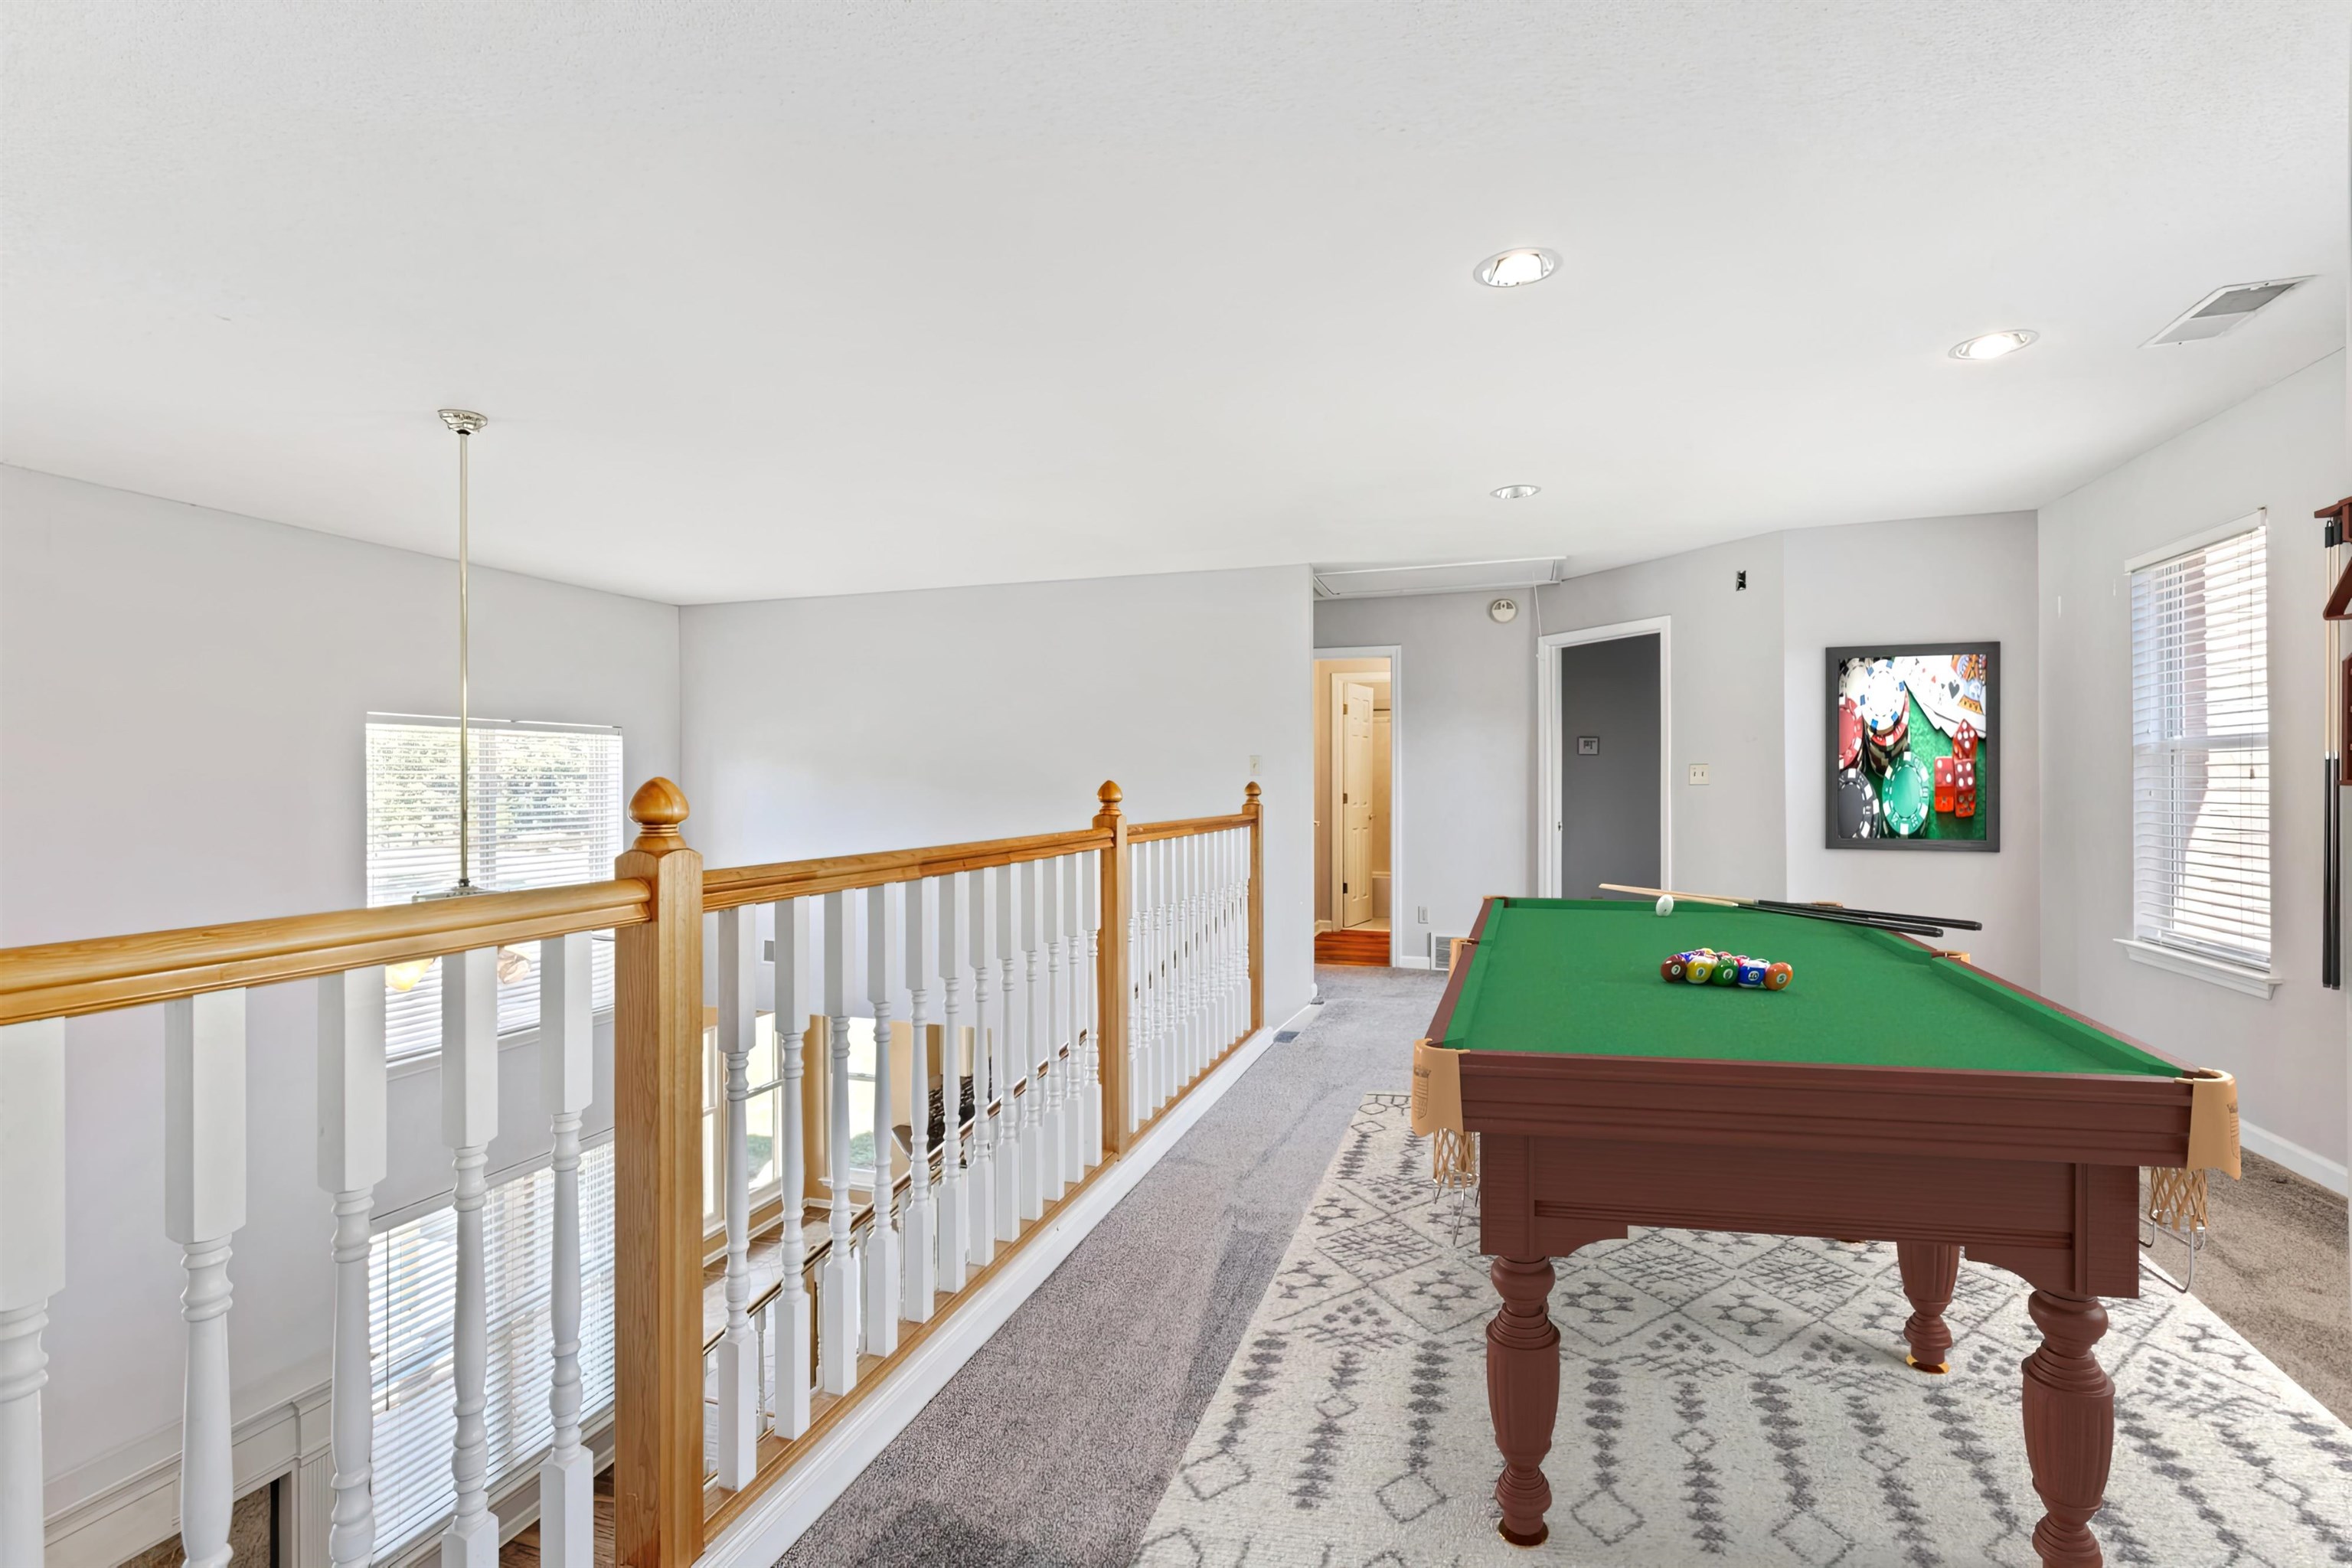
x=1784, y=906
x=1808, y=912
x=2331, y=829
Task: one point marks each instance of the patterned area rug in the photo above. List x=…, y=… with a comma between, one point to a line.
x=1724, y=1398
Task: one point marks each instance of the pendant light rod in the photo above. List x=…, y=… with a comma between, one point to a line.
x=464, y=422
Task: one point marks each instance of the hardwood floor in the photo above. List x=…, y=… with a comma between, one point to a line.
x=1360, y=946
x=522, y=1552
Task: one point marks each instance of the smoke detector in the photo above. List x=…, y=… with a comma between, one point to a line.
x=2222, y=310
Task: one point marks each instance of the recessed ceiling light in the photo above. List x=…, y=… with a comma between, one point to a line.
x=1992, y=345
x=1515, y=492
x=1513, y=267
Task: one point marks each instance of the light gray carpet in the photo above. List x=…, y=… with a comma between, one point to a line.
x=1053, y=1445
x=1739, y=1399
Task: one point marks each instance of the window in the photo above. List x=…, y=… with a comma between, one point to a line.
x=546, y=810
x=2200, y=750
x=412, y=1289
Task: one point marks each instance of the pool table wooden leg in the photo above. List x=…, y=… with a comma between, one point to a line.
x=2069, y=1425
x=1931, y=1270
x=1523, y=1393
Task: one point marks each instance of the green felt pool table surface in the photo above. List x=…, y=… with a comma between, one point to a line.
x=1576, y=976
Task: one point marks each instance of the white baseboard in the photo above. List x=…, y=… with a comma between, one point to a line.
x=765, y=1531
x=1408, y=961
x=2329, y=1173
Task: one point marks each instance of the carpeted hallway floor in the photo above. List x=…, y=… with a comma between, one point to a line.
x=1054, y=1444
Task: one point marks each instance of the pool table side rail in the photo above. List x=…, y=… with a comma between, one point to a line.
x=2088, y=1117
x=1458, y=973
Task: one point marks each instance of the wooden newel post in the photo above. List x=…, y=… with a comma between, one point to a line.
x=658, y=1196
x=1255, y=812
x=1110, y=982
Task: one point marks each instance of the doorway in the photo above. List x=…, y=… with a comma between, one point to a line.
x=1355, y=805
x=1603, y=695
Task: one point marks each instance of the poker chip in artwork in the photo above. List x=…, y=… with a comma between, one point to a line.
x=1857, y=805
x=1906, y=797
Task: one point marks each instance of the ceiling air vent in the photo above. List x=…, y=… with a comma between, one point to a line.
x=1446, y=577
x=2223, y=309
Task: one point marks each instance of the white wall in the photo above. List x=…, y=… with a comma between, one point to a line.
x=1724, y=701
x=878, y=722
x=181, y=700
x=1932, y=580
x=1464, y=700
x=1744, y=680
x=2283, y=448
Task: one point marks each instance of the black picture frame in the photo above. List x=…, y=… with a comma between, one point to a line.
x=1989, y=762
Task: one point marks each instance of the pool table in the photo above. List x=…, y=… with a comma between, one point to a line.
x=1891, y=1093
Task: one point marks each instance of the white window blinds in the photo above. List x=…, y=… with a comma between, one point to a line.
x=2200, y=750
x=412, y=1289
x=546, y=812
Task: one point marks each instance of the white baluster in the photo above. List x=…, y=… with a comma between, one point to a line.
x=1053, y=1143
x=881, y=1288
x=1198, y=965
x=567, y=1076
x=352, y=1161
x=1004, y=937
x=1030, y=934
x=1229, y=1024
x=1162, y=1057
x=837, y=1333
x=203, y=1204
x=1133, y=1044
x=1074, y=1082
x=796, y=997
x=1090, y=923
x=919, y=1269
x=32, y=1265
x=954, y=1244
x=736, y=1358
x=1187, y=1040
x=981, y=1241
x=469, y=1119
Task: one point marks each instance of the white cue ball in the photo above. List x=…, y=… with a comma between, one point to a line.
x=1666, y=904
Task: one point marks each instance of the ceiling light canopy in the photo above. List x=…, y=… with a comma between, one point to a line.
x=1514, y=268
x=1515, y=492
x=1992, y=345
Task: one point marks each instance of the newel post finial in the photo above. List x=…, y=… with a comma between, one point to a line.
x=1249, y=799
x=1109, y=797
x=657, y=808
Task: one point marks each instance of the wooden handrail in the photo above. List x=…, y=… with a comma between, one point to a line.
x=66, y=979
x=1186, y=826
x=735, y=885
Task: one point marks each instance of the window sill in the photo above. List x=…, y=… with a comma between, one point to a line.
x=513, y=1040
x=2212, y=971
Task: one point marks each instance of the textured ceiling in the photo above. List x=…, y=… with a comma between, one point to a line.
x=780, y=299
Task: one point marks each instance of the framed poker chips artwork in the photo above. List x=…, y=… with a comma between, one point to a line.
x=1915, y=748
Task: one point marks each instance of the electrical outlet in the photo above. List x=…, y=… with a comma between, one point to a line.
x=1698, y=772
x=1420, y=913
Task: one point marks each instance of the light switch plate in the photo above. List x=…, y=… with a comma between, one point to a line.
x=1420, y=913
x=1698, y=772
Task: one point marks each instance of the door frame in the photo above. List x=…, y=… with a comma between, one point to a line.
x=1550, y=739
x=1394, y=654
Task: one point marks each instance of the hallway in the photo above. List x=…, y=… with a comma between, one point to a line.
x=1054, y=1445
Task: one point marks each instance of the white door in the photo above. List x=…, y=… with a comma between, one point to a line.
x=1355, y=805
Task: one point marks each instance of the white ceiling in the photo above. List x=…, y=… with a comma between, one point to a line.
x=768, y=299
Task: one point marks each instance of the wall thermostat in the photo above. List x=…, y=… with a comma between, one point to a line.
x=1504, y=610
